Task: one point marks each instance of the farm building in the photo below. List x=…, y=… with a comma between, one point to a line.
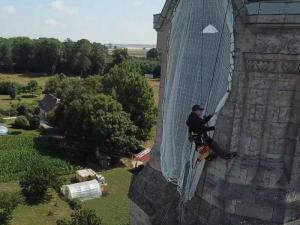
x=48, y=104
x=142, y=158
x=83, y=191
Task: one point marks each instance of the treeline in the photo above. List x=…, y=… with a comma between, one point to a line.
x=51, y=56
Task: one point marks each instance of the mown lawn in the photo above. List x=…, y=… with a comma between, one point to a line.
x=113, y=207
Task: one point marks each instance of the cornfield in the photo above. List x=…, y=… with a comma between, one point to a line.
x=17, y=154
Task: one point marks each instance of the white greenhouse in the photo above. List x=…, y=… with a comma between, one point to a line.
x=3, y=130
x=83, y=191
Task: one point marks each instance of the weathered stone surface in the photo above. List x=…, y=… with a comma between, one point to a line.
x=260, y=120
x=155, y=197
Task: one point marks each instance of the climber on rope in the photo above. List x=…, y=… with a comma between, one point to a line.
x=197, y=130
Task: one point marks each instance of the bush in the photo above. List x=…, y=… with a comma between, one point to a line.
x=75, y=204
x=21, y=122
x=37, y=180
x=5, y=87
x=13, y=92
x=34, y=122
x=127, y=86
x=119, y=56
x=32, y=86
x=82, y=217
x=22, y=110
x=152, y=54
x=96, y=121
x=8, y=202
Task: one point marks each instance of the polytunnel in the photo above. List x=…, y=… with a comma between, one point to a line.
x=83, y=191
x=3, y=130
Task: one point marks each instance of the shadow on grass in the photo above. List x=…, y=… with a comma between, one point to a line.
x=29, y=96
x=33, y=75
x=33, y=200
x=8, y=99
x=14, y=133
x=55, y=147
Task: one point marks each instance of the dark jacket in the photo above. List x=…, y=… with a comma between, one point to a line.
x=197, y=124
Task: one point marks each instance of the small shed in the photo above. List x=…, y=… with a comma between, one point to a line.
x=142, y=158
x=3, y=130
x=89, y=174
x=85, y=175
x=83, y=191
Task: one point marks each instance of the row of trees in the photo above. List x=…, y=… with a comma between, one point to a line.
x=110, y=113
x=49, y=55
x=13, y=89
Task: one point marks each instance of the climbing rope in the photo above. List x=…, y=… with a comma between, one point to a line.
x=217, y=58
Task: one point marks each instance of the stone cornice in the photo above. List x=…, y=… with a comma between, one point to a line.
x=272, y=63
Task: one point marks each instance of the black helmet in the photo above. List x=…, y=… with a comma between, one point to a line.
x=197, y=107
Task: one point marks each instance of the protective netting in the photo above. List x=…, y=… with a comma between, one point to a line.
x=197, y=72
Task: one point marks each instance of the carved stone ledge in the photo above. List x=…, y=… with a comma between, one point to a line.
x=272, y=63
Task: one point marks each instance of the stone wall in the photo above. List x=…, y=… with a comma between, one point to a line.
x=260, y=121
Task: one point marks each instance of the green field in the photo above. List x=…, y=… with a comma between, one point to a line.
x=140, y=53
x=22, y=79
x=134, y=52
x=17, y=154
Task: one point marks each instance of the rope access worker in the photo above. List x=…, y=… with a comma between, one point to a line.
x=197, y=130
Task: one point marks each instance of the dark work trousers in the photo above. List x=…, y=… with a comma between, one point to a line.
x=214, y=146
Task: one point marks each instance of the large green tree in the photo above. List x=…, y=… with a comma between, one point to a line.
x=23, y=54
x=36, y=181
x=127, y=86
x=98, y=58
x=82, y=62
x=63, y=87
x=6, y=61
x=119, y=56
x=98, y=121
x=48, y=55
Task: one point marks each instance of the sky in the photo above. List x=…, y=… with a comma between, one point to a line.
x=105, y=21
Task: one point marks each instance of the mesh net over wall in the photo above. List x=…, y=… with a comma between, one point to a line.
x=197, y=73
